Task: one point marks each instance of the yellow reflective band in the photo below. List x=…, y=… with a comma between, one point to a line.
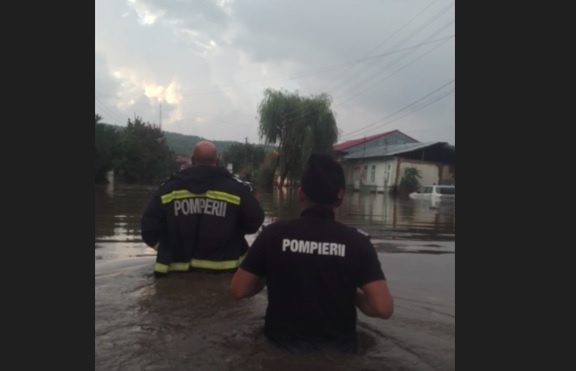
x=223, y=196
x=161, y=268
x=210, y=264
x=155, y=247
x=216, y=195
x=197, y=263
x=179, y=194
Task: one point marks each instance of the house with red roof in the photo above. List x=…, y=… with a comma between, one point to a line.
x=378, y=162
x=361, y=144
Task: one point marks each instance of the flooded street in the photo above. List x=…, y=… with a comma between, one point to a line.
x=190, y=322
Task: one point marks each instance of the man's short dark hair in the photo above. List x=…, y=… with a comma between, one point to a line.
x=323, y=178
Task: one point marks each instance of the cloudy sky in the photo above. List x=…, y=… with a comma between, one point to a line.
x=200, y=67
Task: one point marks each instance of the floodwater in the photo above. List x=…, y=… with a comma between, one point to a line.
x=190, y=322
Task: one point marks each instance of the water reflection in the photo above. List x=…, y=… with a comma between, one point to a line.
x=381, y=215
x=110, y=190
x=119, y=208
x=280, y=204
x=388, y=217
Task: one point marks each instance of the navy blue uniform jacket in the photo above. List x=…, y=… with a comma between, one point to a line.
x=198, y=219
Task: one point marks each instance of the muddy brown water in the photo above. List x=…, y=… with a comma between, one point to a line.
x=190, y=322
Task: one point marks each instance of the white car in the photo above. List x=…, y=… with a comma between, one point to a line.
x=434, y=192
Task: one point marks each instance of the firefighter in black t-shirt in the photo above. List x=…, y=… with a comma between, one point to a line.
x=316, y=270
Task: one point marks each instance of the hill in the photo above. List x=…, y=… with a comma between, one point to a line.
x=182, y=144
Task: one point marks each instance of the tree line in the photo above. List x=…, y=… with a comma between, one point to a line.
x=290, y=125
x=138, y=153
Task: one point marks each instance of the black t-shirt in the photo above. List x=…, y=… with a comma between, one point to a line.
x=312, y=266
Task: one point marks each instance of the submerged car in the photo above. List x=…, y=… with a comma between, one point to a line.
x=434, y=192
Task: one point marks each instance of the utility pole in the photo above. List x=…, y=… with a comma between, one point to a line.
x=246, y=151
x=160, y=116
x=251, y=165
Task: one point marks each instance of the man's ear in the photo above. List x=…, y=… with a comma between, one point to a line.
x=340, y=197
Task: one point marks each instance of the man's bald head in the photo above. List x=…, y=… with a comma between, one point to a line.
x=204, y=153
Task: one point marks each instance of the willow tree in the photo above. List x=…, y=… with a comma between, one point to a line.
x=298, y=126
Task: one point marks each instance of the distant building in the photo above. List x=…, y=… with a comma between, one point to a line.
x=377, y=162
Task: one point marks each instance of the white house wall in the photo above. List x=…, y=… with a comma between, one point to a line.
x=349, y=175
x=388, y=173
x=359, y=175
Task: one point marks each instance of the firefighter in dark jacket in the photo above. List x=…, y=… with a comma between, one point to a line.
x=197, y=220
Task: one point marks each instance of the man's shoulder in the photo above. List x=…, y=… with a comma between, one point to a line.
x=279, y=226
x=358, y=231
x=167, y=183
x=354, y=232
x=242, y=184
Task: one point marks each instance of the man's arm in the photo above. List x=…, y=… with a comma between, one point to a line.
x=245, y=284
x=252, y=215
x=374, y=299
x=152, y=222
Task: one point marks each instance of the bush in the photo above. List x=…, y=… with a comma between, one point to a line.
x=410, y=181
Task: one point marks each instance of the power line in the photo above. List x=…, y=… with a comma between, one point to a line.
x=325, y=69
x=429, y=21
x=429, y=129
x=405, y=114
x=292, y=115
x=403, y=41
x=348, y=98
x=391, y=36
x=109, y=111
x=405, y=111
x=400, y=110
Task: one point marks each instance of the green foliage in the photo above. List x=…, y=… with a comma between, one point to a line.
x=298, y=126
x=182, y=144
x=410, y=180
x=245, y=158
x=143, y=153
x=144, y=156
